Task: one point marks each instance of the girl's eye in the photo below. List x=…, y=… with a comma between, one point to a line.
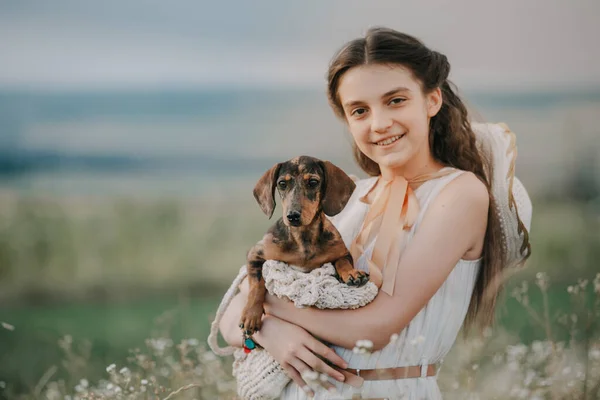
x=397, y=100
x=282, y=184
x=359, y=111
x=313, y=183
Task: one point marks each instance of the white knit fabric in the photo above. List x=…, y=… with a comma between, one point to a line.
x=319, y=288
x=258, y=375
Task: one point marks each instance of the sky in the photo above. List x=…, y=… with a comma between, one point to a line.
x=82, y=44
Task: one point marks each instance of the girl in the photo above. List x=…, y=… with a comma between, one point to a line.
x=428, y=226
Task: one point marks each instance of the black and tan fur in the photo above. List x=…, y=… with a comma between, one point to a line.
x=309, y=189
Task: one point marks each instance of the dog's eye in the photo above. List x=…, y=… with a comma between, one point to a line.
x=282, y=184
x=313, y=183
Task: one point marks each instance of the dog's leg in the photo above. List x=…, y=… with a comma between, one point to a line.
x=251, y=318
x=344, y=267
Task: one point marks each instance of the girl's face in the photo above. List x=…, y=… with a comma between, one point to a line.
x=388, y=116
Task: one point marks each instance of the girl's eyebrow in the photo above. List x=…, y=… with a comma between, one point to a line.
x=399, y=89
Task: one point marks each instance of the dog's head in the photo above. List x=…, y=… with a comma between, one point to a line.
x=306, y=186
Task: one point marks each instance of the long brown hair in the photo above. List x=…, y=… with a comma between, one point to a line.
x=451, y=139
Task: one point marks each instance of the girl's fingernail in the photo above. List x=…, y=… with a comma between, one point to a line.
x=341, y=378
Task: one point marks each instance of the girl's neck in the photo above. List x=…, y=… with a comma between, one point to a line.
x=412, y=169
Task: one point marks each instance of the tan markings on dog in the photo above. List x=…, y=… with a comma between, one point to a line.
x=311, y=244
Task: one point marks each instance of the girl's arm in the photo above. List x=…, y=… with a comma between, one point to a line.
x=454, y=224
x=296, y=350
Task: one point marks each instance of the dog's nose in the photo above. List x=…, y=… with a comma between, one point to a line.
x=294, y=218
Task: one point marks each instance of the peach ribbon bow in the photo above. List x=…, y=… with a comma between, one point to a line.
x=391, y=215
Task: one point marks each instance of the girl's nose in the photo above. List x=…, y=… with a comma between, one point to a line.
x=381, y=122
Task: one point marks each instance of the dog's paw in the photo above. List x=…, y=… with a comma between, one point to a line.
x=355, y=277
x=251, y=320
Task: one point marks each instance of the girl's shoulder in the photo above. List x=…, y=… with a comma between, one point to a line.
x=465, y=187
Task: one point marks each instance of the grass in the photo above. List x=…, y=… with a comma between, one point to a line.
x=107, y=271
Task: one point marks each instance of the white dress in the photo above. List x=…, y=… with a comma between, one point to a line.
x=432, y=332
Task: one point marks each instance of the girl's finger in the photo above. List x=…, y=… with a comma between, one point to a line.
x=330, y=387
x=319, y=365
x=325, y=352
x=302, y=368
x=297, y=378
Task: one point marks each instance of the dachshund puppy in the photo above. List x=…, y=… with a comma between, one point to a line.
x=309, y=189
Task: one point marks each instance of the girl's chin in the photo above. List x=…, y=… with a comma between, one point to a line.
x=391, y=161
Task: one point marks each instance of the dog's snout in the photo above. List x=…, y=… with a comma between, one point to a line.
x=294, y=218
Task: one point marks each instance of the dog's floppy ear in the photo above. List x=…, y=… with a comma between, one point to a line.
x=264, y=191
x=338, y=189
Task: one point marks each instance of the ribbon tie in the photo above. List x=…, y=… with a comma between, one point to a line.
x=392, y=214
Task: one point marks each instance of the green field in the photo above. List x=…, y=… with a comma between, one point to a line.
x=116, y=272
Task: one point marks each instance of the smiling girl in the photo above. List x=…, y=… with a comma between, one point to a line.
x=427, y=226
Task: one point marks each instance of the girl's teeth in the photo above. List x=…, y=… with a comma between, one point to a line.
x=389, y=141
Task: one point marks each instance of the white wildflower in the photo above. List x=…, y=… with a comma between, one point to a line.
x=363, y=346
x=542, y=280
x=209, y=356
x=310, y=375
x=124, y=371
x=516, y=352
x=546, y=382
x=111, y=368
x=2, y=385
x=160, y=344
x=513, y=366
x=367, y=344
x=110, y=386
x=529, y=377
x=8, y=327
x=193, y=342
x=418, y=340
x=84, y=383
x=487, y=332
x=144, y=382
x=497, y=359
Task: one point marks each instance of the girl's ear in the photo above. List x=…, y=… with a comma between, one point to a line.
x=434, y=102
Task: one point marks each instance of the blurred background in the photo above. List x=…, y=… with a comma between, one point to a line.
x=132, y=133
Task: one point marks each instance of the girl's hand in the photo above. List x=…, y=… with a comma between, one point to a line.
x=298, y=352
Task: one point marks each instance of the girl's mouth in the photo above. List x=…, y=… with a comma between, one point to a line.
x=389, y=141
